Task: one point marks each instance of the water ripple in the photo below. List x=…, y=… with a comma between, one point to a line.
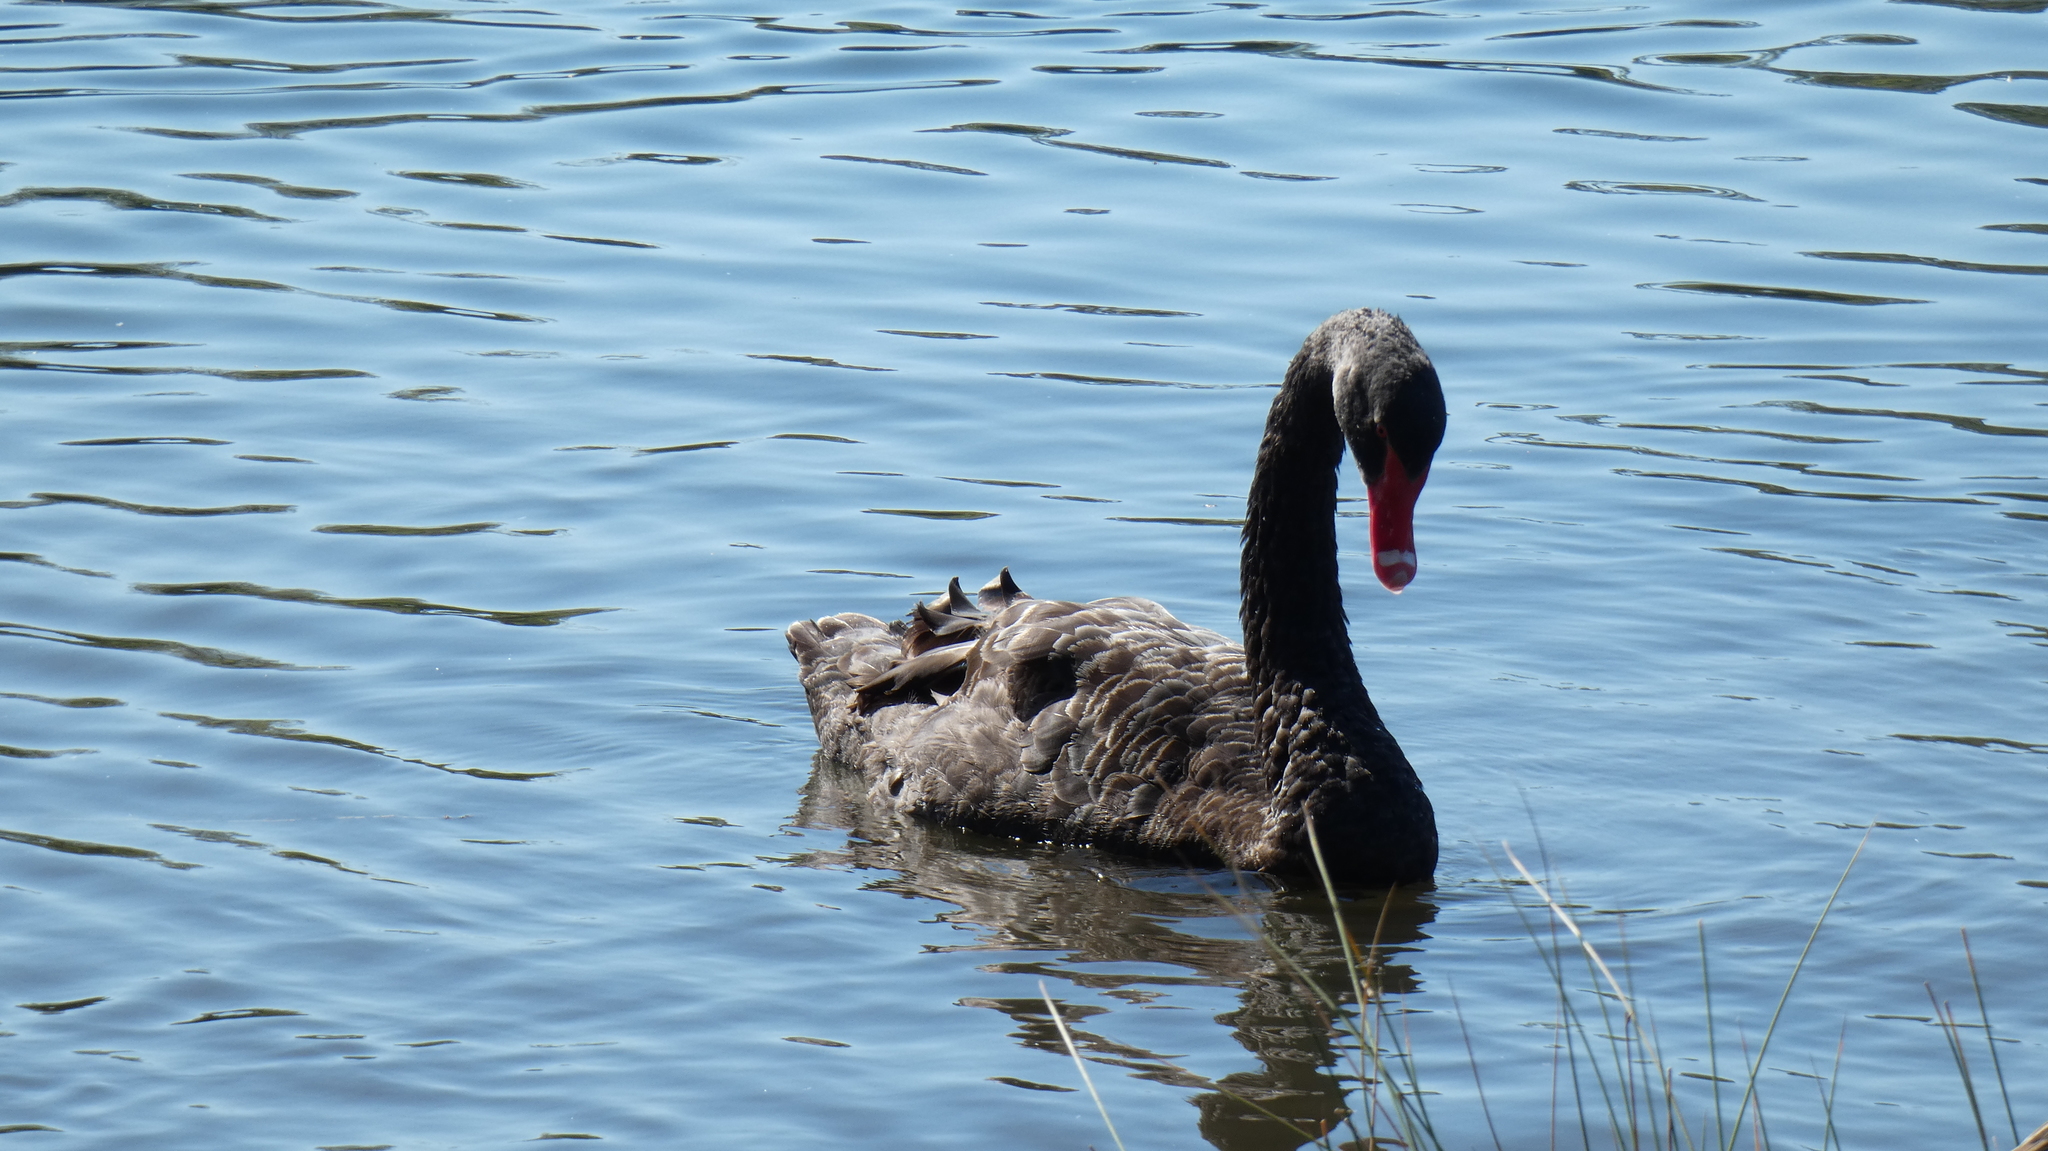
x=1933, y=262
x=1960, y=423
x=135, y=202
x=171, y=271
x=394, y=530
x=22, y=364
x=100, y=36
x=920, y=165
x=1766, y=292
x=1119, y=381
x=816, y=362
x=1626, y=28
x=2025, y=115
x=1765, y=60
x=1095, y=70
x=1289, y=49
x=290, y=191
x=1050, y=137
x=290, y=731
x=45, y=499
x=1640, y=188
x=206, y=656
x=400, y=605
x=1090, y=309
x=292, y=129
x=1791, y=436
x=929, y=514
x=879, y=28
x=1627, y=135
x=1535, y=441
x=85, y=847
x=1781, y=490
x=34, y=560
x=252, y=10
x=364, y=86
x=246, y=65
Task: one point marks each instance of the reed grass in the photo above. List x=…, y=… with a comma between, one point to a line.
x=1067, y=1037
x=1952, y=1029
x=1621, y=1095
x=1990, y=1038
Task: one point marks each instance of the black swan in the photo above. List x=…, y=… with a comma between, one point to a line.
x=1114, y=724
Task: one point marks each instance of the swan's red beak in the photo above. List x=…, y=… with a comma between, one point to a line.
x=1391, y=500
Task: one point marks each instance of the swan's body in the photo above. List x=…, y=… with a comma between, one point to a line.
x=1112, y=723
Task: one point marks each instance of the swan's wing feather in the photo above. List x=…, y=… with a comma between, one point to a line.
x=1109, y=722
x=1100, y=723
x=1000, y=592
x=909, y=674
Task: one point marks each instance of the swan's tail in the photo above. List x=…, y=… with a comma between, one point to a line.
x=835, y=656
x=852, y=664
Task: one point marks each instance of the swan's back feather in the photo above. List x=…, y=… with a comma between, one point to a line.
x=1110, y=723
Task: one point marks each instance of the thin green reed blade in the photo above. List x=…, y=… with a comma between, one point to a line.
x=1414, y=1122
x=1080, y=1064
x=1990, y=1039
x=1756, y=1067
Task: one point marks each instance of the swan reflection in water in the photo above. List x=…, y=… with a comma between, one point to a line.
x=1087, y=907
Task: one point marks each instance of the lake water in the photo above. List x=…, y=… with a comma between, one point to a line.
x=422, y=422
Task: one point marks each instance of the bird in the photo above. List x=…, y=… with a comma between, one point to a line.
x=1114, y=725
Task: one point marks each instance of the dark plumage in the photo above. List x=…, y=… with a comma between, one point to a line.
x=1112, y=723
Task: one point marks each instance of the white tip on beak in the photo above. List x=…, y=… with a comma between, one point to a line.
x=1395, y=567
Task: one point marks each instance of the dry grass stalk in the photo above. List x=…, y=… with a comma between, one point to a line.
x=1080, y=1064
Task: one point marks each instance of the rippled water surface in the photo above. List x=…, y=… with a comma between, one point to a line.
x=420, y=422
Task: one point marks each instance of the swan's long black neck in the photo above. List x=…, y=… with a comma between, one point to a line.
x=1322, y=751
x=1293, y=606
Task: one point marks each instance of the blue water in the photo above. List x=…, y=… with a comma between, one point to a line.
x=422, y=422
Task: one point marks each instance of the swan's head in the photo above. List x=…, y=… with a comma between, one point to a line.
x=1391, y=410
